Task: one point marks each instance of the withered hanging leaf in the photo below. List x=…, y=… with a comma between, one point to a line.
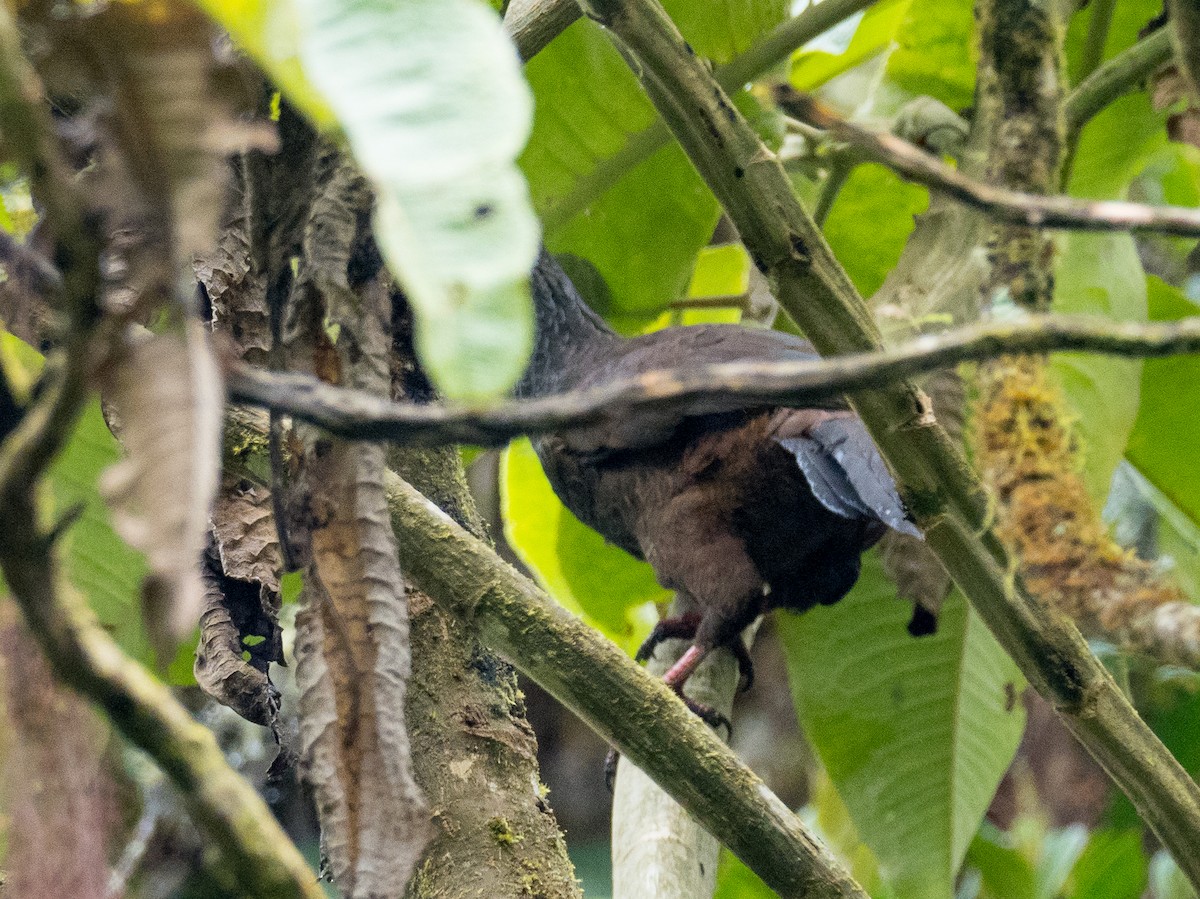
x=167, y=394
x=236, y=287
x=352, y=667
x=239, y=629
x=228, y=671
x=352, y=641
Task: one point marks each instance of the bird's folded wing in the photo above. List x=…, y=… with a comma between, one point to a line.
x=847, y=474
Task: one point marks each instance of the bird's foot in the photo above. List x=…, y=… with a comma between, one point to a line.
x=684, y=628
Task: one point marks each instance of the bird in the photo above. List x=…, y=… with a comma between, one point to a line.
x=741, y=510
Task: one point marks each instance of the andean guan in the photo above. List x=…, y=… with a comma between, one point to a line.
x=744, y=511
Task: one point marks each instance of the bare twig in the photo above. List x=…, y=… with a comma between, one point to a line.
x=532, y=24
x=355, y=414
x=1033, y=210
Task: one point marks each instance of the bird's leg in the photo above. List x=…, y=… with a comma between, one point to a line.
x=684, y=627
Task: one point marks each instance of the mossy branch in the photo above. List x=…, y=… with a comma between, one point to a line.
x=743, y=384
x=945, y=494
x=619, y=700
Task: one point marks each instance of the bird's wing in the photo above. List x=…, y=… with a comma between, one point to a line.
x=844, y=469
x=685, y=347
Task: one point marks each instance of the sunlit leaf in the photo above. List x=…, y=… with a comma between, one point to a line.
x=915, y=733
x=1100, y=274
x=611, y=589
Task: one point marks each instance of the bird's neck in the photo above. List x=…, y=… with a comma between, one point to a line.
x=567, y=332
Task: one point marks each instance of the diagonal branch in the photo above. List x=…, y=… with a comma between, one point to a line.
x=946, y=495
x=359, y=415
x=1033, y=210
x=620, y=701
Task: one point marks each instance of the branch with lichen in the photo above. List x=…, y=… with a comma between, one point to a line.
x=946, y=496
x=999, y=203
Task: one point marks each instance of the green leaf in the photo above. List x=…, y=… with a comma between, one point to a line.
x=1167, y=429
x=811, y=67
x=1115, y=146
x=96, y=562
x=915, y=733
x=429, y=94
x=1100, y=274
x=1005, y=872
x=720, y=271
x=1112, y=866
x=870, y=222
x=640, y=226
x=936, y=53
x=609, y=588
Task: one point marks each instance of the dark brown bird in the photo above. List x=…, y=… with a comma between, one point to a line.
x=743, y=511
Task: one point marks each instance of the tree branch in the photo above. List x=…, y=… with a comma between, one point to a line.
x=1003, y=204
x=532, y=24
x=941, y=489
x=357, y=414
x=619, y=700
x=1116, y=78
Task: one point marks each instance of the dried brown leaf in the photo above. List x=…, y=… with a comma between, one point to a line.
x=166, y=391
x=352, y=667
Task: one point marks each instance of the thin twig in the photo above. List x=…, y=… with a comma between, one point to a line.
x=746, y=384
x=1033, y=210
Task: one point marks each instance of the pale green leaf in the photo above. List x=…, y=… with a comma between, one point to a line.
x=431, y=98
x=936, y=53
x=1100, y=274
x=876, y=32
x=609, y=588
x=875, y=195
x=915, y=733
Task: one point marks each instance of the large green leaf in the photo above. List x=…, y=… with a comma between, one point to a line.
x=1100, y=274
x=812, y=67
x=609, y=588
x=870, y=222
x=430, y=97
x=640, y=225
x=936, y=53
x=915, y=733
x=96, y=562
x=1167, y=430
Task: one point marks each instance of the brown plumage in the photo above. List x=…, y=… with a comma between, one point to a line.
x=743, y=511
